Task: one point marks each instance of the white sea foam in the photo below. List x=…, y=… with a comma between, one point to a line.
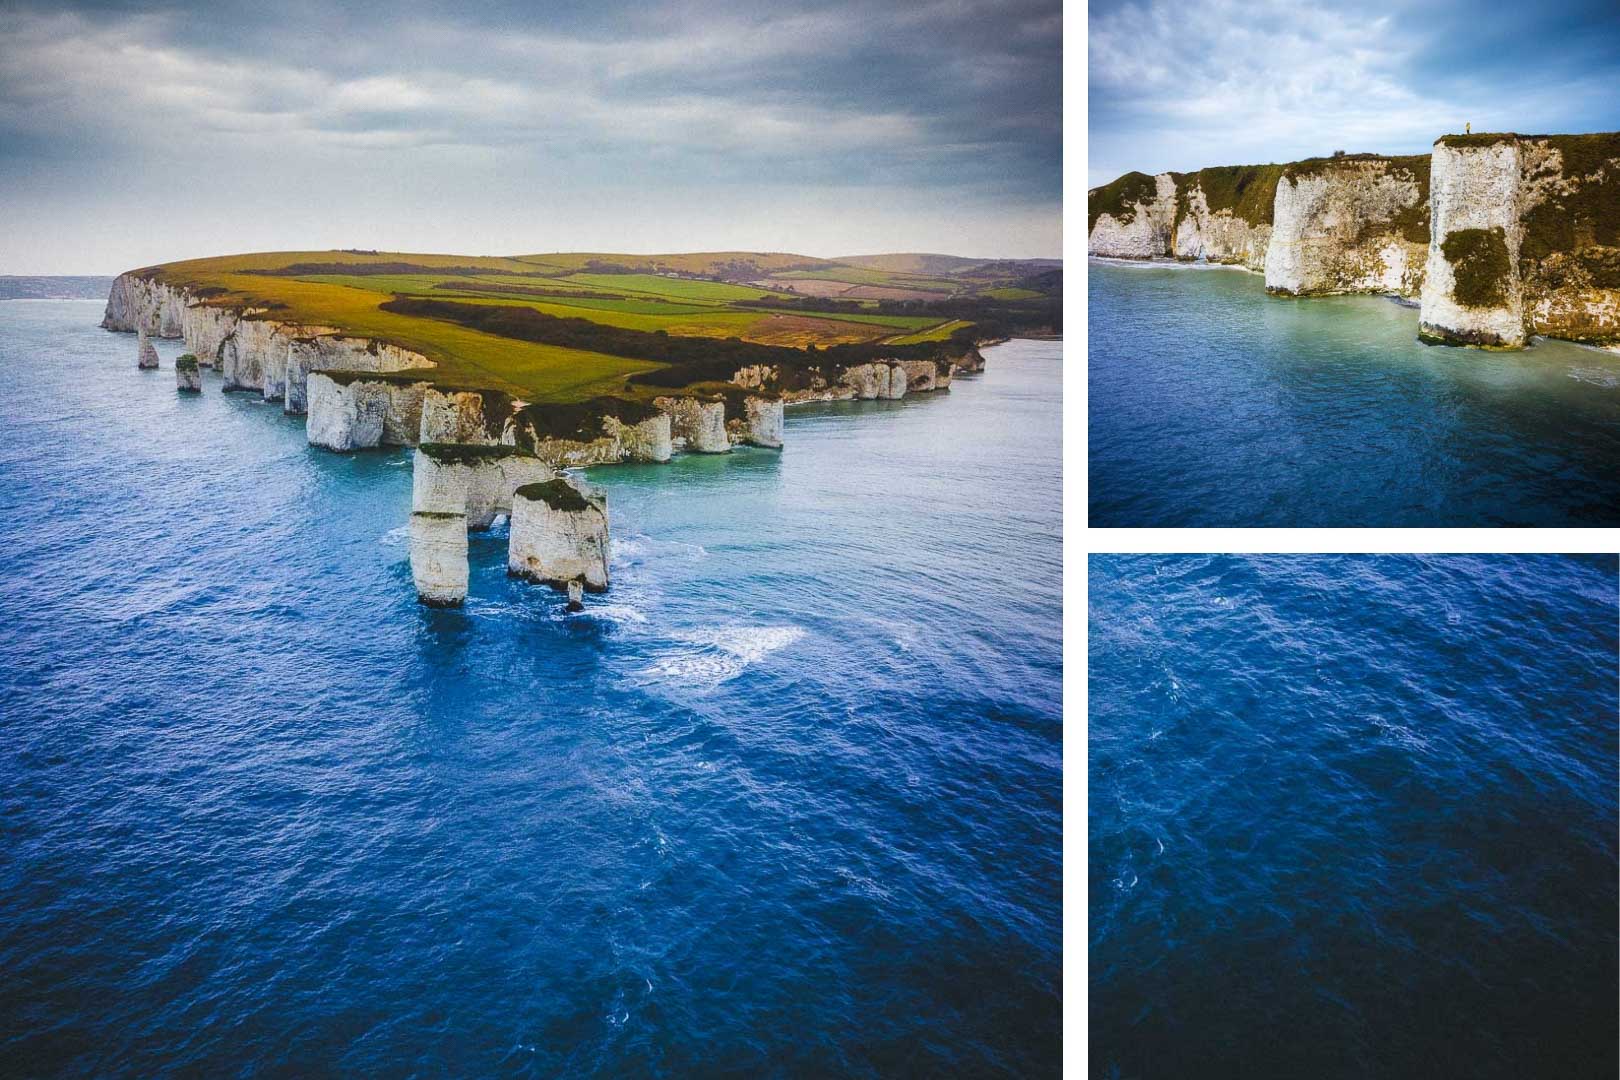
x=616, y=613
x=1396, y=733
x=639, y=548
x=395, y=537
x=707, y=658
x=1608, y=378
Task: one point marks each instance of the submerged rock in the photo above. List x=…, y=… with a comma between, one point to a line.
x=439, y=557
x=187, y=374
x=147, y=357
x=559, y=536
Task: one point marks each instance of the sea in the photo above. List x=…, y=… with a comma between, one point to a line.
x=1214, y=404
x=1353, y=816
x=785, y=801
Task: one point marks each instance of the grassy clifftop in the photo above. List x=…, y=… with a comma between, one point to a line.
x=604, y=300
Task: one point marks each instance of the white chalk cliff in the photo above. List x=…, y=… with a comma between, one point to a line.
x=1501, y=236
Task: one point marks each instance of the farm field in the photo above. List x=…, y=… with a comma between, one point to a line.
x=751, y=297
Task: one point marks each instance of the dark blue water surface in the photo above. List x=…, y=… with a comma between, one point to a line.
x=1214, y=404
x=786, y=801
x=1353, y=816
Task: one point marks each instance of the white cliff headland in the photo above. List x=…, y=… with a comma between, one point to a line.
x=482, y=452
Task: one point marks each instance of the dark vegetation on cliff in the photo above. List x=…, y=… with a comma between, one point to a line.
x=579, y=421
x=690, y=359
x=1249, y=192
x=1480, y=264
x=469, y=453
x=1589, y=216
x=1118, y=198
x=557, y=494
x=1478, y=139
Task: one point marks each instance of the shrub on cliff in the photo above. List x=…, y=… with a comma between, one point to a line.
x=1480, y=264
x=557, y=494
x=1118, y=198
x=1588, y=212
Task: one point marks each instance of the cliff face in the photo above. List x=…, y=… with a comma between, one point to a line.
x=1135, y=216
x=1346, y=225
x=252, y=349
x=1472, y=292
x=1502, y=236
x=354, y=412
x=1527, y=240
x=698, y=426
x=1224, y=214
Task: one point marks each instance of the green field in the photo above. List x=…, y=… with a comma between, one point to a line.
x=344, y=290
x=938, y=333
x=855, y=275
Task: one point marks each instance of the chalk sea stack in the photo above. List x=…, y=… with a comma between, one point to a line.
x=187, y=374
x=439, y=557
x=559, y=535
x=472, y=479
x=147, y=357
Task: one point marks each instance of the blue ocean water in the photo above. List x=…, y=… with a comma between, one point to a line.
x=1213, y=404
x=785, y=801
x=1353, y=816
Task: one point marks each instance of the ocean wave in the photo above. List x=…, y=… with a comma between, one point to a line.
x=640, y=548
x=708, y=658
x=1607, y=378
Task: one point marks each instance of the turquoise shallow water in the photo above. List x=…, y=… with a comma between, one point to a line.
x=784, y=802
x=1213, y=404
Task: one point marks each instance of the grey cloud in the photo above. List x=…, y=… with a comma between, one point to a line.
x=943, y=104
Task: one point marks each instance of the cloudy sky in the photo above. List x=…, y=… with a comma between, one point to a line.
x=1182, y=84
x=138, y=133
